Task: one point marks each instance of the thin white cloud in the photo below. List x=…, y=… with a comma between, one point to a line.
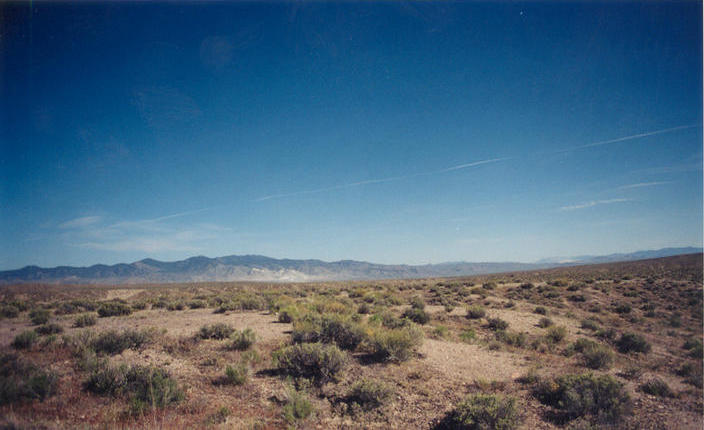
x=179, y=241
x=642, y=185
x=150, y=236
x=80, y=222
x=158, y=219
x=593, y=203
x=381, y=180
x=677, y=168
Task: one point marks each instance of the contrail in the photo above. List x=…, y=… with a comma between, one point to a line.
x=631, y=137
x=472, y=164
x=476, y=163
x=381, y=180
x=593, y=203
x=642, y=184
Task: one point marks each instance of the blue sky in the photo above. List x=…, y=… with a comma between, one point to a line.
x=394, y=132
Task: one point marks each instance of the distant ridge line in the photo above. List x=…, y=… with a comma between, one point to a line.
x=261, y=268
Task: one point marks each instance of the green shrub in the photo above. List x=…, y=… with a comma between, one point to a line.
x=600, y=397
x=608, y=334
x=440, y=332
x=475, y=312
x=51, y=328
x=176, y=306
x=9, y=311
x=388, y=320
x=288, y=314
x=511, y=338
x=631, y=342
x=297, y=407
x=66, y=308
x=368, y=394
x=113, y=342
x=197, y=304
x=317, y=361
x=151, y=388
x=483, y=411
x=657, y=387
x=329, y=328
x=139, y=306
x=24, y=340
x=623, y=308
x=146, y=387
x=219, y=417
x=540, y=310
x=237, y=374
x=489, y=285
x=468, y=335
x=691, y=343
x=590, y=325
x=556, y=334
x=597, y=357
x=217, y=331
x=112, y=309
x=21, y=379
x=631, y=372
x=395, y=344
x=85, y=320
x=497, y=324
x=251, y=357
x=105, y=379
x=417, y=315
x=695, y=348
x=417, y=303
x=21, y=305
x=545, y=322
x=364, y=309
x=675, y=320
x=39, y=316
x=243, y=340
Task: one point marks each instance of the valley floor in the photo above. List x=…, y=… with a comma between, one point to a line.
x=634, y=327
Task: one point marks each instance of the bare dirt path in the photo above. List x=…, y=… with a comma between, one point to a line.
x=469, y=363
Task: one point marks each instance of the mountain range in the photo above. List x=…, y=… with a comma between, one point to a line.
x=260, y=268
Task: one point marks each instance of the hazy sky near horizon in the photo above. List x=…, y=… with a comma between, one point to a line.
x=392, y=132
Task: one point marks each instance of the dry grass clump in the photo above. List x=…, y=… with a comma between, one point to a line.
x=237, y=374
x=85, y=320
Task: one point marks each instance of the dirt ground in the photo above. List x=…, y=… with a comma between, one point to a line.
x=664, y=307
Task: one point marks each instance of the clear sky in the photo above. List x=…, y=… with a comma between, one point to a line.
x=394, y=132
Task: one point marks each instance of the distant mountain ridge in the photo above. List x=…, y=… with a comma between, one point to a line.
x=261, y=268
